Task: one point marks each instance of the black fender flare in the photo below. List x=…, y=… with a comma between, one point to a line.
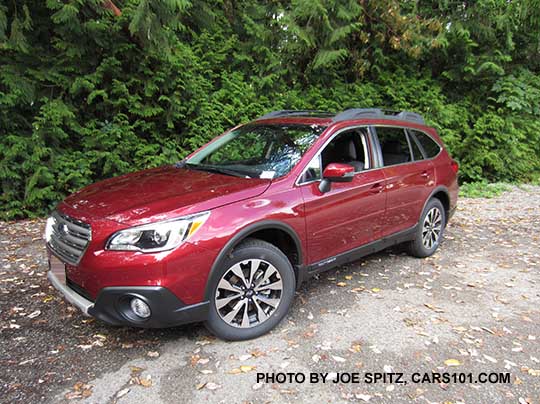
x=243, y=234
x=433, y=192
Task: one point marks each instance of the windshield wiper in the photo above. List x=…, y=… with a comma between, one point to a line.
x=180, y=164
x=215, y=169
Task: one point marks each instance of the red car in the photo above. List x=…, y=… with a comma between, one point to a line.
x=227, y=235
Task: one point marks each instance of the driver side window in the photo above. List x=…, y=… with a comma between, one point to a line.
x=349, y=147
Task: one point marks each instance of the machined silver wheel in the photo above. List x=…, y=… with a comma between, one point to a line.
x=248, y=293
x=432, y=228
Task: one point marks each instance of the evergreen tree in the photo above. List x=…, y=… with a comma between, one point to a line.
x=90, y=89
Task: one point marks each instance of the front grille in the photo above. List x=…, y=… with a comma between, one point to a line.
x=68, y=237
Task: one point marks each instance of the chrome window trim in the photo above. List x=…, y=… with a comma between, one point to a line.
x=377, y=165
x=366, y=153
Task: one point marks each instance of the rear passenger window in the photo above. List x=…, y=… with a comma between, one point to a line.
x=430, y=146
x=394, y=146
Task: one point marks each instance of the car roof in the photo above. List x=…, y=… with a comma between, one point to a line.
x=353, y=114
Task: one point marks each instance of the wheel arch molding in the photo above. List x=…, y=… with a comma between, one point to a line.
x=441, y=189
x=251, y=230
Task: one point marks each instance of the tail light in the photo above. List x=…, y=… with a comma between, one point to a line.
x=455, y=166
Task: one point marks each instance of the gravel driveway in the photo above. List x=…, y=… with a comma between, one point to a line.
x=473, y=307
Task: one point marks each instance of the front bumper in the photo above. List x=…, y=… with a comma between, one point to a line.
x=112, y=305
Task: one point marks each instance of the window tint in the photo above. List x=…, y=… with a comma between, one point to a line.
x=348, y=148
x=394, y=145
x=417, y=153
x=431, y=148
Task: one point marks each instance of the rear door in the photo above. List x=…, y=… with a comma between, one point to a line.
x=409, y=178
x=351, y=213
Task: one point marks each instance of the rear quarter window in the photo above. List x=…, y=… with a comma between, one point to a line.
x=430, y=146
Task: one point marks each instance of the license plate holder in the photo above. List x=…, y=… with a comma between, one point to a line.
x=58, y=268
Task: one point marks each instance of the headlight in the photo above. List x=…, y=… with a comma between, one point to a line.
x=155, y=237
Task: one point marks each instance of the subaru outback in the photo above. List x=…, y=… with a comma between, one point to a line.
x=228, y=234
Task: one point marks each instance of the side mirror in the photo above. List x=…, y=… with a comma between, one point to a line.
x=336, y=172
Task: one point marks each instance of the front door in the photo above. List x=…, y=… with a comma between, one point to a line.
x=351, y=213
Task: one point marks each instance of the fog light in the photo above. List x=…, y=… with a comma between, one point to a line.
x=140, y=308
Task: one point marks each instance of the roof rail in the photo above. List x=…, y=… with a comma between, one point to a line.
x=410, y=116
x=292, y=112
x=360, y=113
x=350, y=114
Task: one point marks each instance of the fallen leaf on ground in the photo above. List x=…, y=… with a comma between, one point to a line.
x=356, y=348
x=256, y=353
x=435, y=309
x=122, y=393
x=136, y=369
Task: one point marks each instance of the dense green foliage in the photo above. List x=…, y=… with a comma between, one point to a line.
x=87, y=93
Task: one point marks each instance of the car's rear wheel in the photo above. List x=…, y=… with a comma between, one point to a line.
x=251, y=292
x=430, y=230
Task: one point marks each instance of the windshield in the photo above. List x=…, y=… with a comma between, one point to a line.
x=257, y=151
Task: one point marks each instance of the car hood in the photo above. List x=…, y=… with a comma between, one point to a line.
x=161, y=193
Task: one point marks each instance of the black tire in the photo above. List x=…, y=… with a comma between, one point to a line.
x=248, y=250
x=416, y=247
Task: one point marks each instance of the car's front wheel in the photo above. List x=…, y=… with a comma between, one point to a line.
x=430, y=230
x=251, y=291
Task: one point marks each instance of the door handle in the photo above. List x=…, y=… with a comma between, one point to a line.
x=424, y=174
x=377, y=188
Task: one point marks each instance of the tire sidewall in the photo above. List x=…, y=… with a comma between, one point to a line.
x=225, y=331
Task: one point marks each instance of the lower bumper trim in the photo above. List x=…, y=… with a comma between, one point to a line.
x=70, y=295
x=113, y=307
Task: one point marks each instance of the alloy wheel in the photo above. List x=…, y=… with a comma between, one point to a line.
x=248, y=293
x=432, y=227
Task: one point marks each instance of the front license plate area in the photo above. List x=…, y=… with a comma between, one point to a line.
x=58, y=268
